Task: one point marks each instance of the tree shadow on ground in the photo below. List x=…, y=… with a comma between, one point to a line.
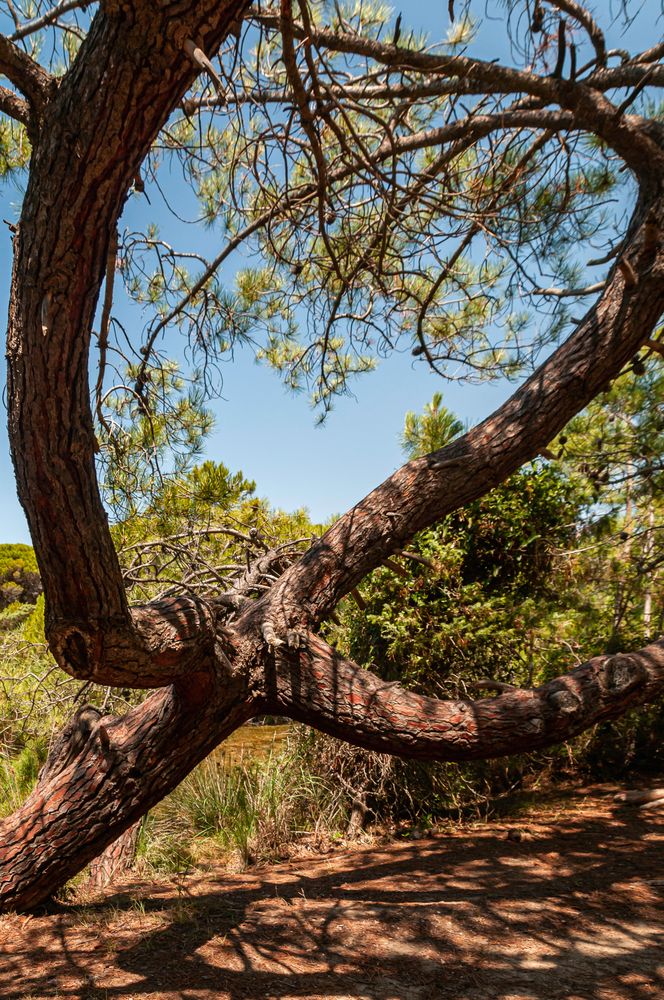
x=569, y=911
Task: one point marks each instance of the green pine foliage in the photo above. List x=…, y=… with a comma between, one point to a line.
x=615, y=450
x=14, y=148
x=433, y=429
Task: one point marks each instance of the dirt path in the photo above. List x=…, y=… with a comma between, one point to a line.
x=572, y=910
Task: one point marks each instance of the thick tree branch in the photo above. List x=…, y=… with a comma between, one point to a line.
x=650, y=55
x=319, y=686
x=426, y=489
x=110, y=780
x=159, y=643
x=129, y=74
x=31, y=79
x=627, y=75
x=477, y=126
x=14, y=106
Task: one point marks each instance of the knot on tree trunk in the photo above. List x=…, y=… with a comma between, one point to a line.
x=563, y=700
x=623, y=673
x=152, y=646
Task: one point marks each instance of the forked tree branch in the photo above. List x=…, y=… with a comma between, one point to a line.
x=164, y=640
x=593, y=112
x=121, y=767
x=491, y=77
x=31, y=79
x=494, y=78
x=128, y=77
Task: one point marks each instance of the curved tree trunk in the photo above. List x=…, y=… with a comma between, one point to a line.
x=126, y=766
x=90, y=133
x=131, y=71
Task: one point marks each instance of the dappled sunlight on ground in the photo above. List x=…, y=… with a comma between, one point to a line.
x=572, y=909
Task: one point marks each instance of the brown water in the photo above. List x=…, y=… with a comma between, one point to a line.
x=251, y=743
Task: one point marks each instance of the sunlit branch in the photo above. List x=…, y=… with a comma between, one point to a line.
x=49, y=17
x=31, y=79
x=14, y=106
x=494, y=77
x=651, y=55
x=628, y=75
x=562, y=293
x=437, y=87
x=319, y=686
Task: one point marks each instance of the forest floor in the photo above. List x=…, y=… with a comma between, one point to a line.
x=564, y=900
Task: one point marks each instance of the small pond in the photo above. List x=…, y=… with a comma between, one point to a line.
x=252, y=743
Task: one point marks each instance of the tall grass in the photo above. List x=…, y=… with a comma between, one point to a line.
x=18, y=775
x=253, y=809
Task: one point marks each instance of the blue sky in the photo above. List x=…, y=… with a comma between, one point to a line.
x=272, y=435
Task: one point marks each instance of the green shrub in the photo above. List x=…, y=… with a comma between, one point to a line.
x=253, y=809
x=19, y=577
x=18, y=776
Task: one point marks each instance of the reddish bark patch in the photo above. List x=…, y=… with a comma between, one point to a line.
x=566, y=903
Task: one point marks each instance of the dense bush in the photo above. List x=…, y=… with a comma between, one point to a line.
x=19, y=577
x=484, y=599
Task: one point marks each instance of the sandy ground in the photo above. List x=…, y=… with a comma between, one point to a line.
x=566, y=902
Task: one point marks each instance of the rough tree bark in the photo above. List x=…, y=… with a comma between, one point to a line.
x=117, y=860
x=90, y=133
